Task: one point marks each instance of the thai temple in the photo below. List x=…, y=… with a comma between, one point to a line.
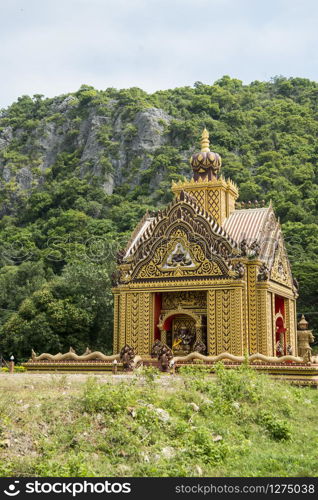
x=205, y=280
x=206, y=272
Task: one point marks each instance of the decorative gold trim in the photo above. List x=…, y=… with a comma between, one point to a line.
x=179, y=310
x=237, y=322
x=262, y=334
x=116, y=324
x=122, y=321
x=252, y=308
x=218, y=300
x=270, y=341
x=231, y=357
x=211, y=324
x=280, y=271
x=72, y=356
x=134, y=321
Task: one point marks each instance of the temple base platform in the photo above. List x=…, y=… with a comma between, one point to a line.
x=291, y=369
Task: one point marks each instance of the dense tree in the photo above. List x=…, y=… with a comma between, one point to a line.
x=74, y=309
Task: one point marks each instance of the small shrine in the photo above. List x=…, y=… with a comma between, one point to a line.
x=204, y=275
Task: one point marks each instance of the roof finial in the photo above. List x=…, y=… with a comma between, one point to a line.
x=205, y=143
x=205, y=164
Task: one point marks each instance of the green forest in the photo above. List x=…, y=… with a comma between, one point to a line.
x=78, y=171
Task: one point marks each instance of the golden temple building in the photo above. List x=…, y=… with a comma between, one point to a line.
x=204, y=275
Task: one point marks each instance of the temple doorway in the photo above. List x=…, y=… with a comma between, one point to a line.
x=183, y=334
x=182, y=330
x=180, y=320
x=281, y=346
x=280, y=327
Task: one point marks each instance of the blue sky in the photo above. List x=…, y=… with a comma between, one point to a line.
x=52, y=47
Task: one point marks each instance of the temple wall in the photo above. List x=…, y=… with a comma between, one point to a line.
x=225, y=321
x=116, y=324
x=291, y=324
x=135, y=321
x=252, y=331
x=260, y=325
x=240, y=316
x=264, y=323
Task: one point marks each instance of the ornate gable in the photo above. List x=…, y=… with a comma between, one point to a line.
x=182, y=242
x=280, y=271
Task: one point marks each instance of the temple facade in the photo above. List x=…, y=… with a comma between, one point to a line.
x=204, y=275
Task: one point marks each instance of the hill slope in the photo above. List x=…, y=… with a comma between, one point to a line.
x=243, y=424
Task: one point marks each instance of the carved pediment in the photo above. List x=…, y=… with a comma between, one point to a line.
x=183, y=241
x=280, y=271
x=176, y=257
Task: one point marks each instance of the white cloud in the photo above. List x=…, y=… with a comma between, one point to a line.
x=53, y=47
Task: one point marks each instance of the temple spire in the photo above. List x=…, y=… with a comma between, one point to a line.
x=206, y=164
x=205, y=143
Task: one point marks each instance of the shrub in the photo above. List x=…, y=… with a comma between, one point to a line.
x=240, y=384
x=19, y=369
x=277, y=428
x=106, y=398
x=150, y=374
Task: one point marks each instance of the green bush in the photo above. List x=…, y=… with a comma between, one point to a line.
x=105, y=398
x=150, y=373
x=19, y=369
x=277, y=428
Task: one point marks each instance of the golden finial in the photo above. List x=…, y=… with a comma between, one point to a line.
x=205, y=164
x=205, y=143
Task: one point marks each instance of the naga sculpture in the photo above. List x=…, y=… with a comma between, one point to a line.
x=165, y=356
x=199, y=346
x=254, y=249
x=156, y=348
x=126, y=356
x=120, y=256
x=263, y=273
x=243, y=247
x=239, y=270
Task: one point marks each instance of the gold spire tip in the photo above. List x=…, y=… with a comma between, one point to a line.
x=205, y=143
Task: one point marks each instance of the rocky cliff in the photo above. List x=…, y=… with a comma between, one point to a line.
x=105, y=143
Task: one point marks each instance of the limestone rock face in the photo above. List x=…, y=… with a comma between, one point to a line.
x=6, y=174
x=6, y=137
x=24, y=178
x=150, y=129
x=149, y=126
x=67, y=128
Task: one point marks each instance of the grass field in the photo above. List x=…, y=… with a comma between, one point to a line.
x=239, y=424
